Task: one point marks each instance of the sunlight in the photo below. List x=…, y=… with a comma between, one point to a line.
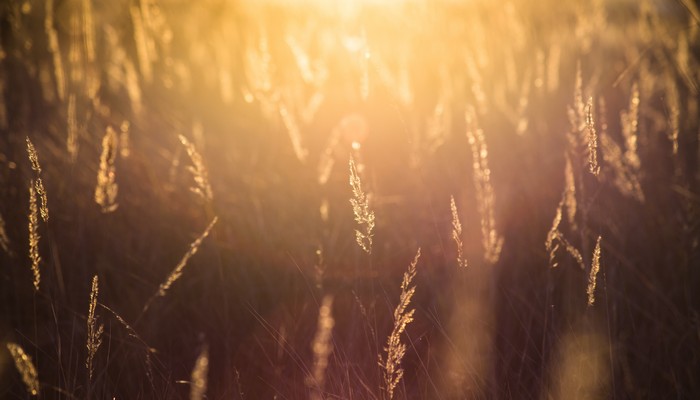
x=349, y=199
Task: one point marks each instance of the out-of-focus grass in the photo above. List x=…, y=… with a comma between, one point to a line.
x=247, y=113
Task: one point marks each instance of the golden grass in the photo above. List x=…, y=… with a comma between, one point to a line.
x=395, y=349
x=34, y=236
x=528, y=67
x=457, y=234
x=551, y=243
x=492, y=241
x=199, y=172
x=177, y=272
x=630, y=129
x=94, y=332
x=592, y=140
x=33, y=157
x=41, y=193
x=624, y=161
x=107, y=188
x=555, y=239
x=38, y=183
x=364, y=216
x=26, y=368
x=595, y=267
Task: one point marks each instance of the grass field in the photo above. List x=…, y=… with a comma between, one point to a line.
x=378, y=199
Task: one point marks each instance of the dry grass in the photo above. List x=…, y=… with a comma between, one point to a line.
x=492, y=241
x=33, y=157
x=177, y=272
x=396, y=348
x=271, y=97
x=34, y=236
x=551, y=243
x=595, y=268
x=555, y=240
x=94, y=331
x=199, y=172
x=38, y=183
x=364, y=216
x=457, y=234
x=591, y=139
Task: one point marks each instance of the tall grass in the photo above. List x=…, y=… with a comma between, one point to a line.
x=94, y=331
x=564, y=123
x=395, y=348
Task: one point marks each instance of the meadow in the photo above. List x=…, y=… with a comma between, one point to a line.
x=378, y=199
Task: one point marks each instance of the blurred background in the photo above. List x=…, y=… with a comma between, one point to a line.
x=549, y=123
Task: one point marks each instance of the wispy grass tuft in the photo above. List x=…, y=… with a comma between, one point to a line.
x=198, y=170
x=550, y=243
x=595, y=267
x=364, y=216
x=395, y=349
x=177, y=272
x=41, y=193
x=38, y=183
x=33, y=157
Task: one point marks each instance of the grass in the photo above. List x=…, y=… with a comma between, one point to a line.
x=544, y=156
